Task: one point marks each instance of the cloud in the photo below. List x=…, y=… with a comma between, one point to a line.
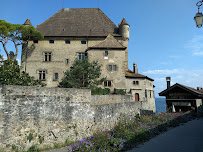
x=175, y=57
x=165, y=72
x=196, y=45
x=191, y=78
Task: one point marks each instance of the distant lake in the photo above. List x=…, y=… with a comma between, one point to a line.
x=160, y=105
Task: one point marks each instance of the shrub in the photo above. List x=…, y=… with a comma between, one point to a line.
x=100, y=91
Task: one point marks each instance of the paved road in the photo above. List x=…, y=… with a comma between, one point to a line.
x=184, y=138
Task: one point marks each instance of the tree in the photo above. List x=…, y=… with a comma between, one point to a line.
x=82, y=74
x=17, y=34
x=10, y=75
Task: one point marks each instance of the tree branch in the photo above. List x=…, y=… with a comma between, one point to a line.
x=5, y=49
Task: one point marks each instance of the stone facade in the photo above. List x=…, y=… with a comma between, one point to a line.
x=104, y=42
x=58, y=114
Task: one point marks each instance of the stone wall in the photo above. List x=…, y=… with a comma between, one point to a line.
x=28, y=114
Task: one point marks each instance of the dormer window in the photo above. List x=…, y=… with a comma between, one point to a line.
x=51, y=41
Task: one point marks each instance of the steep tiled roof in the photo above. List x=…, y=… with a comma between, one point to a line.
x=190, y=89
x=109, y=42
x=131, y=74
x=78, y=22
x=27, y=22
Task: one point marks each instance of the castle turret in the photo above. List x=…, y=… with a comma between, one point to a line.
x=124, y=29
x=27, y=22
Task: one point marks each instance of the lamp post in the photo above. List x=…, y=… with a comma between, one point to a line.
x=199, y=16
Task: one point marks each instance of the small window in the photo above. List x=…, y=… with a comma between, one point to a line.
x=82, y=55
x=150, y=94
x=106, y=53
x=56, y=75
x=136, y=82
x=47, y=56
x=51, y=41
x=107, y=83
x=42, y=75
x=67, y=61
x=35, y=41
x=83, y=42
x=67, y=41
x=145, y=93
x=114, y=67
x=110, y=67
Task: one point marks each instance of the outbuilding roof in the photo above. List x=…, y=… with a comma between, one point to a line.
x=109, y=43
x=189, y=89
x=131, y=74
x=78, y=22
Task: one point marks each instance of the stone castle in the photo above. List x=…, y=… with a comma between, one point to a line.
x=76, y=33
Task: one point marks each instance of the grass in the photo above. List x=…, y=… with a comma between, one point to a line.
x=130, y=133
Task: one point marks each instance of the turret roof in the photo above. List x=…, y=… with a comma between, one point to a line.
x=124, y=22
x=109, y=43
x=27, y=22
x=78, y=22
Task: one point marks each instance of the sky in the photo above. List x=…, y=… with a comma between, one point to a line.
x=164, y=40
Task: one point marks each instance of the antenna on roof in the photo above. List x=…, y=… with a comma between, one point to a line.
x=62, y=4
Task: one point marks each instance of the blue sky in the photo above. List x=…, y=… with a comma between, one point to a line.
x=164, y=40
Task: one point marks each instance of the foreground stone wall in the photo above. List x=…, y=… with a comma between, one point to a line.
x=44, y=116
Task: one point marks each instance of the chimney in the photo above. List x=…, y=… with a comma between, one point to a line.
x=135, y=70
x=168, y=80
x=197, y=88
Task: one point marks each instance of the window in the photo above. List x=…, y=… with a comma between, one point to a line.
x=110, y=67
x=145, y=93
x=47, y=56
x=67, y=61
x=136, y=82
x=106, y=53
x=51, y=41
x=150, y=94
x=82, y=55
x=35, y=41
x=107, y=83
x=42, y=75
x=83, y=42
x=67, y=41
x=114, y=67
x=56, y=75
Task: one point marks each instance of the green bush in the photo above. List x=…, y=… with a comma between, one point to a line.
x=120, y=91
x=100, y=91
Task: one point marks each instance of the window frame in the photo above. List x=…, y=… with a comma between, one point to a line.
x=56, y=78
x=47, y=56
x=42, y=75
x=106, y=53
x=107, y=83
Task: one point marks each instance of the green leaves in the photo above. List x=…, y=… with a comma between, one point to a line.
x=82, y=74
x=10, y=75
x=17, y=34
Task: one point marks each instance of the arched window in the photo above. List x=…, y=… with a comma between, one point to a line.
x=136, y=97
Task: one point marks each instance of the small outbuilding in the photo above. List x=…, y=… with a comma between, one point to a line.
x=181, y=98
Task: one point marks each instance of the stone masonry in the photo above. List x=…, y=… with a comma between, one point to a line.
x=28, y=114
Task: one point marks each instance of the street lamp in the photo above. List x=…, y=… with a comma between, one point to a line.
x=199, y=16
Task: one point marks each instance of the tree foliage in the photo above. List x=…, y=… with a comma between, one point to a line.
x=10, y=75
x=17, y=34
x=82, y=74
